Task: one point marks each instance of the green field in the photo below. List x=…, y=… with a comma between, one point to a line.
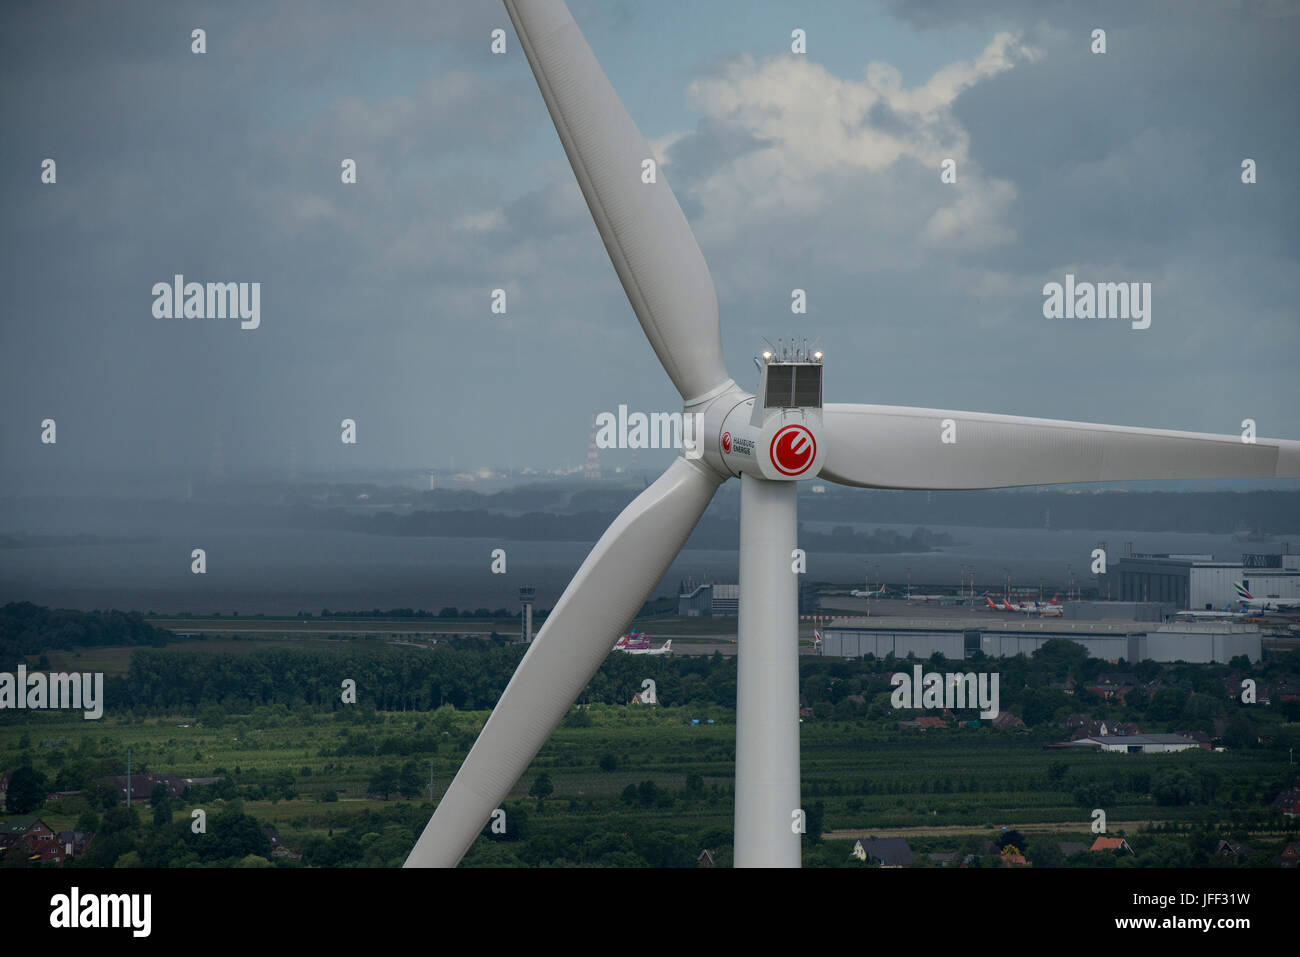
x=870, y=780
x=628, y=785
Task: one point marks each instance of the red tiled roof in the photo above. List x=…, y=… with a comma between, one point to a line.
x=1107, y=844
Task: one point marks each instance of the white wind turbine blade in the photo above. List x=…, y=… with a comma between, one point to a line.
x=882, y=446
x=648, y=239
x=608, y=590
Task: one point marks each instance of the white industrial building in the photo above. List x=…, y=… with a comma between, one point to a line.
x=708, y=600
x=956, y=639
x=1136, y=743
x=1199, y=582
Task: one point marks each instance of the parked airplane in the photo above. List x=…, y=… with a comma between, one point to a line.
x=1003, y=605
x=1265, y=604
x=1225, y=615
x=868, y=593
x=636, y=643
x=665, y=649
x=633, y=641
x=1048, y=609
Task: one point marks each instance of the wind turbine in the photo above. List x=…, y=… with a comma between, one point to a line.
x=769, y=441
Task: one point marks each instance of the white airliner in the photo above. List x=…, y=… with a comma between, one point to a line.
x=1265, y=604
x=1224, y=615
x=868, y=593
x=636, y=643
x=1048, y=609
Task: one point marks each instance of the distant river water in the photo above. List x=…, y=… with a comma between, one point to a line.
x=284, y=571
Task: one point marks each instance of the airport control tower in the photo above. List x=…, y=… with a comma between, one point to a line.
x=526, y=595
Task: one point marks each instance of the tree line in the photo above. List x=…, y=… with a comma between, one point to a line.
x=28, y=629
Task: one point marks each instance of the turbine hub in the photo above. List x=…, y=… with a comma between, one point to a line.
x=778, y=436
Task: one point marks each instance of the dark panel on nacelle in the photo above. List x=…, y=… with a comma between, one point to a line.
x=808, y=386
x=780, y=387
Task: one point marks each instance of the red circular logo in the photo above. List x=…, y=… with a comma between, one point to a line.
x=793, y=450
x=726, y=441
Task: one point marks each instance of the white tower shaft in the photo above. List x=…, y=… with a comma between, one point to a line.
x=767, y=685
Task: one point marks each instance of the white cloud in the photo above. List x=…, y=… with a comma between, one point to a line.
x=976, y=220
x=482, y=222
x=820, y=132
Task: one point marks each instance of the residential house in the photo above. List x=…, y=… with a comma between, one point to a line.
x=1200, y=737
x=1007, y=721
x=1290, y=856
x=31, y=834
x=1288, y=801
x=1086, y=727
x=1114, y=686
x=142, y=786
x=1110, y=844
x=1237, y=852
x=887, y=851
x=74, y=843
x=928, y=721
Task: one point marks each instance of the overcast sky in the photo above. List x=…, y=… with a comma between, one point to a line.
x=819, y=172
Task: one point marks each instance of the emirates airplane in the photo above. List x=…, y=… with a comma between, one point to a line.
x=1265, y=604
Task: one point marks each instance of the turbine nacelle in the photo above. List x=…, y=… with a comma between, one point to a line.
x=775, y=435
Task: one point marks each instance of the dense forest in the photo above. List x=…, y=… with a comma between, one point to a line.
x=470, y=674
x=27, y=629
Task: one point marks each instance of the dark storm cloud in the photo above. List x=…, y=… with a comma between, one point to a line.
x=375, y=296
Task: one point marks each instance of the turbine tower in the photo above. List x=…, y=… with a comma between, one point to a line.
x=769, y=441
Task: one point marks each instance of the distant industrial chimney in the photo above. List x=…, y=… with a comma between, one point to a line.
x=592, y=471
